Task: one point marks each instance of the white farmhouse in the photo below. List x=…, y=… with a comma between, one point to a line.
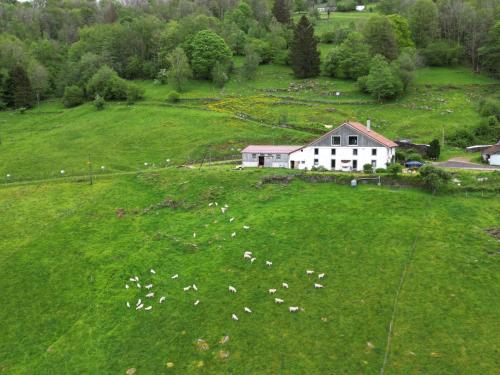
x=492, y=154
x=346, y=148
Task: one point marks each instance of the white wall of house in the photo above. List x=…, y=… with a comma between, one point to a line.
x=305, y=158
x=271, y=160
x=495, y=159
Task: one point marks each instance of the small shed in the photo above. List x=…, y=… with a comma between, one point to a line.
x=492, y=154
x=267, y=156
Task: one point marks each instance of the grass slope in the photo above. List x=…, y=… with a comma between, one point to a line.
x=65, y=256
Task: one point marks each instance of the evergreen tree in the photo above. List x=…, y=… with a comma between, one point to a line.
x=434, y=149
x=281, y=11
x=304, y=54
x=18, y=92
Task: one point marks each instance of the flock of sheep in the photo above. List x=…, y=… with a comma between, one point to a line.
x=247, y=255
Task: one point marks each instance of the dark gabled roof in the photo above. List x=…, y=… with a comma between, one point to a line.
x=495, y=149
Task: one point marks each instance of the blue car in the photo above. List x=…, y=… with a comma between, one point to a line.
x=413, y=164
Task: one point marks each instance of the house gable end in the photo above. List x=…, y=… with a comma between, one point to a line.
x=344, y=131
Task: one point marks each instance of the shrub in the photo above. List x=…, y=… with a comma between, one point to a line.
x=442, y=53
x=414, y=156
x=99, y=102
x=107, y=84
x=336, y=36
x=173, y=97
x=434, y=149
x=462, y=138
x=367, y=168
x=434, y=179
x=134, y=93
x=380, y=170
x=219, y=74
x=490, y=107
x=394, y=169
x=346, y=5
x=73, y=96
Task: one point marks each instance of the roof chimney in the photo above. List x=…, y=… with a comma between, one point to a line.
x=368, y=125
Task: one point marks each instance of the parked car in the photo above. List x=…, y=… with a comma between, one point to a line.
x=413, y=164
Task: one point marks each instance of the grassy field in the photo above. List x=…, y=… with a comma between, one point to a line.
x=68, y=249
x=275, y=108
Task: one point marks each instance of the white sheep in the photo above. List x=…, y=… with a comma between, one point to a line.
x=231, y=220
x=210, y=204
x=195, y=287
x=138, y=285
x=196, y=302
x=233, y=234
x=216, y=203
x=136, y=278
x=278, y=300
x=140, y=306
x=138, y=302
x=152, y=271
x=252, y=260
x=321, y=275
x=248, y=310
x=309, y=272
x=149, y=286
x=187, y=288
x=162, y=298
x=246, y=227
x=150, y=295
x=128, y=305
x=285, y=285
x=223, y=210
x=234, y=317
x=176, y=276
x=247, y=256
x=126, y=286
x=225, y=205
x=318, y=286
x=293, y=308
x=194, y=235
x=148, y=308
x=232, y=289
x=268, y=263
x=272, y=291
x=132, y=279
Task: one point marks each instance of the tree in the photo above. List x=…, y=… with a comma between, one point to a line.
x=423, y=22
x=19, y=93
x=380, y=36
x=281, y=11
x=73, y=96
x=434, y=149
x=442, y=53
x=402, y=30
x=434, y=179
x=489, y=53
x=350, y=60
x=252, y=61
x=381, y=82
x=219, y=74
x=99, y=102
x=304, y=54
x=207, y=49
x=39, y=78
x=179, y=71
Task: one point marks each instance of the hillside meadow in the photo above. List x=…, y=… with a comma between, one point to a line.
x=67, y=249
x=217, y=123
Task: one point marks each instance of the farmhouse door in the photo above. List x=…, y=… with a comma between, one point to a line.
x=292, y=164
x=261, y=161
x=354, y=165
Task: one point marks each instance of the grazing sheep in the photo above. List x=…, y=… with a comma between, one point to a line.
x=194, y=234
x=248, y=310
x=216, y=203
x=148, y=308
x=246, y=227
x=140, y=306
x=285, y=285
x=195, y=287
x=175, y=276
x=268, y=263
x=233, y=234
x=196, y=302
x=321, y=275
x=223, y=210
x=232, y=289
x=225, y=205
x=162, y=299
x=150, y=295
x=309, y=272
x=317, y=286
x=152, y=271
x=210, y=204
x=128, y=305
x=272, y=291
x=187, y=288
x=293, y=308
x=138, y=302
x=126, y=286
x=231, y=220
x=252, y=260
x=278, y=300
x=234, y=317
x=149, y=286
x=132, y=279
x=247, y=256
x=138, y=285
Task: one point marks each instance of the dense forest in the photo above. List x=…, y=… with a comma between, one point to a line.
x=81, y=49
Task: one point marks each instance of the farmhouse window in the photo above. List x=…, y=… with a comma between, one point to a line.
x=254, y=156
x=336, y=140
x=374, y=151
x=316, y=162
x=354, y=151
x=374, y=164
x=334, y=151
x=353, y=140
x=278, y=156
x=316, y=151
x=333, y=163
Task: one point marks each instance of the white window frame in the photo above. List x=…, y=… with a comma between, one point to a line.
x=357, y=143
x=333, y=143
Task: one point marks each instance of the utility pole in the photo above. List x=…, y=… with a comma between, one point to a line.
x=90, y=171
